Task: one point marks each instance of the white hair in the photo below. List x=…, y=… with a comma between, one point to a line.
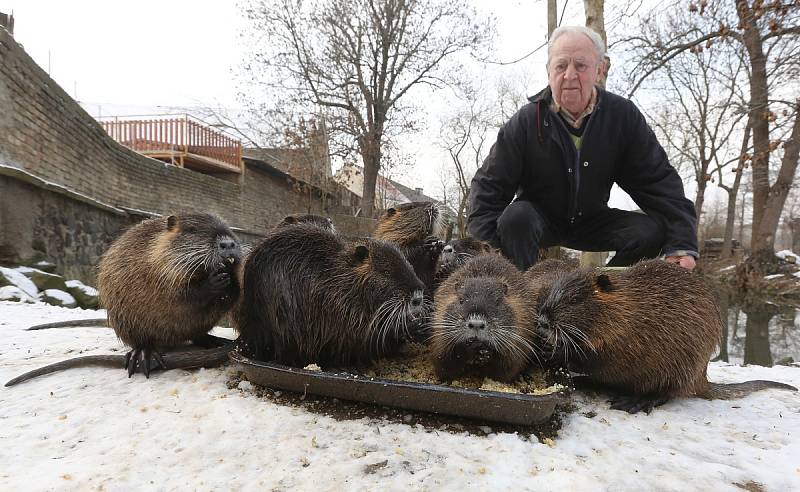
x=595, y=38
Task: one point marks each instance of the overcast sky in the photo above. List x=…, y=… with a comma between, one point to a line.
x=149, y=56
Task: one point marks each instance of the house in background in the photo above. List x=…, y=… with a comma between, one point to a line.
x=388, y=193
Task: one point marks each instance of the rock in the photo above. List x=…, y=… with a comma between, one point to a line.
x=42, y=279
x=58, y=297
x=14, y=293
x=786, y=361
x=86, y=296
x=17, y=279
x=45, y=266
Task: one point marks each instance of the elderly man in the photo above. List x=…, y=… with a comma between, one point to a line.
x=557, y=159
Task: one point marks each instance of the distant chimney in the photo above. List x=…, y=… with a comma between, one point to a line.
x=7, y=21
x=418, y=190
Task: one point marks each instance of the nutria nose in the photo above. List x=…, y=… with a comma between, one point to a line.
x=416, y=298
x=476, y=324
x=227, y=245
x=448, y=249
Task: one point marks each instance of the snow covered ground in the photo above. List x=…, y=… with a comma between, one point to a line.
x=94, y=429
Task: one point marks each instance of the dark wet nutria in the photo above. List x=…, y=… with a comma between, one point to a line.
x=455, y=253
x=311, y=296
x=417, y=229
x=483, y=321
x=647, y=332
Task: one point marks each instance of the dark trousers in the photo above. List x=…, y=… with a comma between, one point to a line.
x=523, y=231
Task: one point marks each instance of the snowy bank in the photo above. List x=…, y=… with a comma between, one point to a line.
x=94, y=428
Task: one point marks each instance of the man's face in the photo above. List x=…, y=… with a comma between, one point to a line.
x=573, y=69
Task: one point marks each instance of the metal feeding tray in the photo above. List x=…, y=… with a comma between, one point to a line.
x=509, y=408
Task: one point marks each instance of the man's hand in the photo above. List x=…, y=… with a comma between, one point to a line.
x=684, y=261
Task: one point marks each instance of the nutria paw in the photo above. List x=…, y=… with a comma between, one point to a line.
x=434, y=246
x=219, y=280
x=635, y=404
x=143, y=357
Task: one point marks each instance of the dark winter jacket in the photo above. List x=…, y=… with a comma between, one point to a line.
x=534, y=159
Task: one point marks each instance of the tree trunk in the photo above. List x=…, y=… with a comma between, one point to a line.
x=552, y=17
x=371, y=156
x=794, y=226
x=756, y=343
x=733, y=193
x=462, y=220
x=762, y=239
x=764, y=235
x=699, y=199
x=595, y=20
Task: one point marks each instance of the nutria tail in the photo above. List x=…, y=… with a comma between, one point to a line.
x=720, y=391
x=98, y=322
x=187, y=359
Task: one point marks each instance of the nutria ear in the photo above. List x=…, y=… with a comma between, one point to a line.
x=360, y=254
x=505, y=288
x=604, y=283
x=289, y=219
x=172, y=221
x=390, y=212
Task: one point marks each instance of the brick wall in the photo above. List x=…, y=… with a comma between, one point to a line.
x=47, y=136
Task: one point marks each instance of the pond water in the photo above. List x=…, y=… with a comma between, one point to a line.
x=764, y=335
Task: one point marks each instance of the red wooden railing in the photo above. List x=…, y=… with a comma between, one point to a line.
x=177, y=136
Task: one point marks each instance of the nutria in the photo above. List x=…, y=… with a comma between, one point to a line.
x=648, y=332
x=187, y=359
x=317, y=220
x=483, y=321
x=455, y=253
x=165, y=281
x=543, y=271
x=310, y=296
x=416, y=228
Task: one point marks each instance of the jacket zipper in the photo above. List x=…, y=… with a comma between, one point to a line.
x=575, y=169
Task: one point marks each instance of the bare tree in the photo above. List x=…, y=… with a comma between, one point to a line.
x=733, y=193
x=700, y=113
x=463, y=136
x=767, y=35
x=359, y=60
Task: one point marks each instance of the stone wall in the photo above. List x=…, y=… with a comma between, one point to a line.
x=67, y=188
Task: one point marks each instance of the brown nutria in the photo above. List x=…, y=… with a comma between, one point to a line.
x=542, y=272
x=455, y=253
x=310, y=296
x=416, y=228
x=163, y=282
x=185, y=359
x=168, y=280
x=317, y=220
x=648, y=332
x=483, y=321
